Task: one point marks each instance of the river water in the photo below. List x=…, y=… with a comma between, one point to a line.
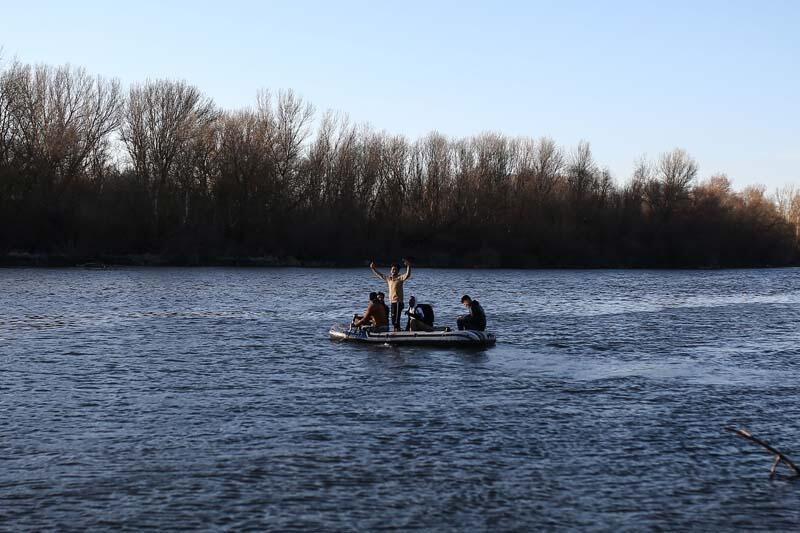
x=213, y=399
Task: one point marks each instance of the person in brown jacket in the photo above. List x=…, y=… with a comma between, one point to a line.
x=374, y=315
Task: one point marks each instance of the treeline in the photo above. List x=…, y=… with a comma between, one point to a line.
x=92, y=172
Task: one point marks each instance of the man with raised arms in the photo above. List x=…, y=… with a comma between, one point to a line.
x=395, y=282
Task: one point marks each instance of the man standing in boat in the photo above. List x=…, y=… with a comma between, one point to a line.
x=395, y=282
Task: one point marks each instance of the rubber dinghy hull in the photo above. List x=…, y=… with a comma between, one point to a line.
x=414, y=338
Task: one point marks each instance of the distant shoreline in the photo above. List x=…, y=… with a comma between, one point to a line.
x=271, y=186
x=41, y=260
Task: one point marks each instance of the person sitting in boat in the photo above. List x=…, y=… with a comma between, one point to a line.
x=382, y=300
x=395, y=282
x=374, y=315
x=420, y=316
x=476, y=319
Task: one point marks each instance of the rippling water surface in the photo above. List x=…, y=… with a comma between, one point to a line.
x=212, y=398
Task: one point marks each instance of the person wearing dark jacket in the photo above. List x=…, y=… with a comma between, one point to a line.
x=476, y=319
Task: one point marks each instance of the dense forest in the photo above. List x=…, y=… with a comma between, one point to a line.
x=158, y=173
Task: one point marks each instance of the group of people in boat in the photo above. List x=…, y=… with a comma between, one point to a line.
x=378, y=315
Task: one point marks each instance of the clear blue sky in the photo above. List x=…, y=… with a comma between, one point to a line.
x=719, y=78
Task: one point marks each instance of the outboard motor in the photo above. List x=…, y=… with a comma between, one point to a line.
x=427, y=313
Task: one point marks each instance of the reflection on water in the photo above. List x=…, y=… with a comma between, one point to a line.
x=212, y=398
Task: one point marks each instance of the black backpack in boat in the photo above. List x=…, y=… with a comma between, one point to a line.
x=427, y=313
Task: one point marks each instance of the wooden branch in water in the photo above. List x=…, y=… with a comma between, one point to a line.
x=774, y=468
x=779, y=456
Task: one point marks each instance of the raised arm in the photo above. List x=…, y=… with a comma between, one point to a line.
x=407, y=274
x=375, y=271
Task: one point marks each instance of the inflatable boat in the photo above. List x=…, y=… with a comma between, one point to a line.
x=440, y=337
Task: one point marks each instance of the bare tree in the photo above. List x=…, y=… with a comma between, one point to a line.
x=318, y=162
x=714, y=193
x=787, y=203
x=245, y=167
x=666, y=184
x=394, y=165
x=636, y=192
x=759, y=207
x=676, y=171
x=581, y=172
x=62, y=117
x=547, y=166
x=492, y=175
x=292, y=122
x=605, y=186
x=162, y=119
x=6, y=118
x=433, y=177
